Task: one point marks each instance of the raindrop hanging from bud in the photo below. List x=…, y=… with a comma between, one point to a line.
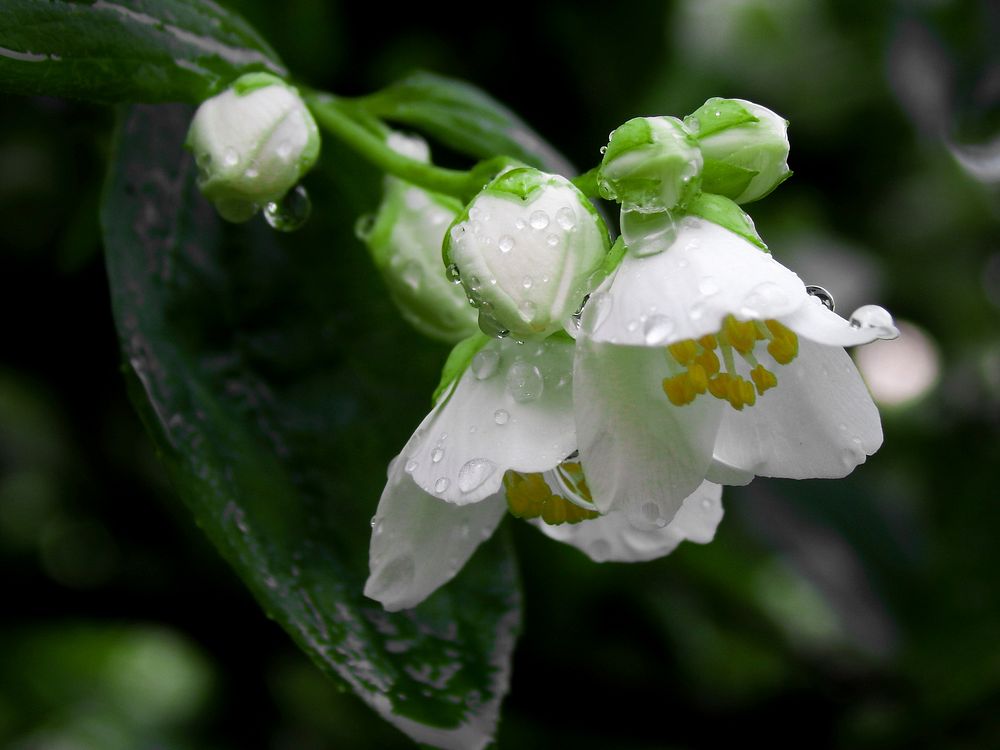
x=290, y=212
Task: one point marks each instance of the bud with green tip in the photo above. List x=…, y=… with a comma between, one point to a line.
x=405, y=241
x=252, y=143
x=651, y=164
x=745, y=147
x=525, y=249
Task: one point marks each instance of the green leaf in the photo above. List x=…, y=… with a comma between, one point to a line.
x=130, y=50
x=464, y=118
x=717, y=114
x=724, y=212
x=277, y=382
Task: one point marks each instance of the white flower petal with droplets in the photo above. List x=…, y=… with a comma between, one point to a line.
x=817, y=323
x=419, y=542
x=686, y=291
x=613, y=538
x=819, y=421
x=635, y=446
x=511, y=409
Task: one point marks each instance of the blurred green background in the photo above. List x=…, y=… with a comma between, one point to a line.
x=859, y=613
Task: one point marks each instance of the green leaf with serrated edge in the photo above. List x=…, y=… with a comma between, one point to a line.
x=717, y=114
x=721, y=178
x=720, y=210
x=127, y=51
x=276, y=393
x=458, y=360
x=465, y=118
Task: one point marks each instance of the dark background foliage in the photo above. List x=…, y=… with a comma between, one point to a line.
x=859, y=613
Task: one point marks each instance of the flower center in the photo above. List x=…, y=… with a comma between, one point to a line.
x=532, y=495
x=696, y=368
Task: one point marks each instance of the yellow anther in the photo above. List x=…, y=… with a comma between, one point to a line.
x=697, y=378
x=708, y=342
x=678, y=390
x=709, y=362
x=529, y=496
x=763, y=378
x=747, y=393
x=742, y=335
x=734, y=392
x=554, y=512
x=684, y=351
x=783, y=350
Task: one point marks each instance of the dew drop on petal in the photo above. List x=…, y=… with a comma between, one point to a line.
x=441, y=485
x=527, y=282
x=501, y=417
x=657, y=329
x=822, y=296
x=485, y=363
x=524, y=382
x=506, y=243
x=436, y=455
x=473, y=473
x=875, y=317
x=538, y=220
x=708, y=286
x=411, y=466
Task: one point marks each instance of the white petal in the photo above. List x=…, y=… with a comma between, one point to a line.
x=819, y=421
x=816, y=323
x=512, y=409
x=685, y=291
x=420, y=542
x=635, y=446
x=613, y=538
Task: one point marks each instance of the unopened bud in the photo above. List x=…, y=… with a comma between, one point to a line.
x=252, y=143
x=745, y=147
x=405, y=242
x=651, y=164
x=525, y=249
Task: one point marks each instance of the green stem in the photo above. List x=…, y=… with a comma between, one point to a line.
x=587, y=182
x=333, y=117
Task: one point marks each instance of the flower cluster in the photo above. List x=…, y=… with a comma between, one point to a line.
x=615, y=388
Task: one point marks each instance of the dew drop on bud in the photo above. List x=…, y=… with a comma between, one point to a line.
x=453, y=274
x=485, y=363
x=538, y=220
x=506, y=243
x=230, y=158
x=290, y=212
x=363, y=226
x=821, y=294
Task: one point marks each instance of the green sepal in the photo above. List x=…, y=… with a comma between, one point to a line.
x=717, y=114
x=253, y=81
x=521, y=183
x=458, y=361
x=722, y=211
x=613, y=259
x=632, y=134
x=722, y=178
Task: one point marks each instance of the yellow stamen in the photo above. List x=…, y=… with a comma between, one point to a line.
x=709, y=362
x=741, y=335
x=684, y=351
x=763, y=378
x=529, y=496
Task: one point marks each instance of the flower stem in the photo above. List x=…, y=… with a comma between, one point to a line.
x=335, y=118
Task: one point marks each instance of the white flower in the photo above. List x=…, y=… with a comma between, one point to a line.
x=710, y=360
x=501, y=437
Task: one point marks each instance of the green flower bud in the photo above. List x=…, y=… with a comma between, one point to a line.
x=745, y=148
x=405, y=242
x=525, y=249
x=651, y=164
x=252, y=143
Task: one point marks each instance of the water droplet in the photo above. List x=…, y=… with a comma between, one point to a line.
x=506, y=243
x=441, y=485
x=412, y=274
x=526, y=282
x=822, y=296
x=475, y=284
x=706, y=504
x=604, y=150
x=763, y=301
x=718, y=113
x=284, y=150
x=291, y=212
x=485, y=363
x=552, y=240
x=538, y=220
x=501, y=417
x=436, y=455
x=473, y=473
x=231, y=157
x=528, y=310
x=372, y=522
x=708, y=286
x=363, y=226
x=251, y=172
x=524, y=382
x=411, y=466
x=453, y=274
x=875, y=317
x=657, y=329
x=697, y=311
x=519, y=224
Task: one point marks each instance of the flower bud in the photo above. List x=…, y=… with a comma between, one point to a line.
x=745, y=147
x=525, y=249
x=405, y=241
x=252, y=143
x=651, y=164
